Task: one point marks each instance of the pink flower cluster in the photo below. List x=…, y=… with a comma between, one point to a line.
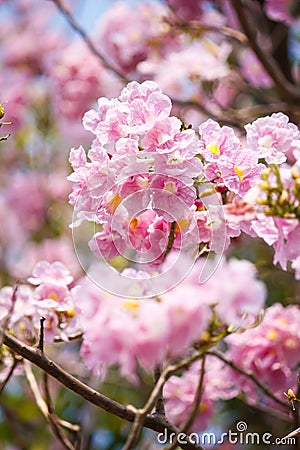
x=29, y=42
x=146, y=177
x=272, y=137
x=52, y=298
x=270, y=351
x=126, y=331
x=279, y=227
x=203, y=60
x=228, y=162
x=140, y=176
x=128, y=35
x=76, y=83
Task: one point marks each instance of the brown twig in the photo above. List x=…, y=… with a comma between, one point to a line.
x=51, y=418
x=159, y=407
x=75, y=428
x=293, y=434
x=171, y=239
x=9, y=375
x=198, y=27
x=266, y=410
x=222, y=118
x=71, y=337
x=41, y=336
x=287, y=91
x=197, y=400
x=140, y=414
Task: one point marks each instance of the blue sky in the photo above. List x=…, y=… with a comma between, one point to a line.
x=88, y=11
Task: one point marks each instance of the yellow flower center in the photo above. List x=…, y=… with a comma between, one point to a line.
x=133, y=224
x=272, y=335
x=170, y=186
x=132, y=306
x=239, y=172
x=53, y=296
x=113, y=203
x=181, y=224
x=213, y=148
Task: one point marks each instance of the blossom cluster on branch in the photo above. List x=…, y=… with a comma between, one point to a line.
x=171, y=246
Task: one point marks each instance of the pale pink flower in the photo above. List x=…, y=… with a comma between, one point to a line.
x=103, y=244
x=15, y=98
x=151, y=331
x=28, y=195
x=217, y=141
x=287, y=247
x=239, y=171
x=216, y=227
x=45, y=272
x=271, y=137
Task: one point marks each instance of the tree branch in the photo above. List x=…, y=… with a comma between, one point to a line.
x=154, y=423
x=54, y=425
x=141, y=413
x=159, y=407
x=9, y=375
x=79, y=30
x=286, y=90
x=195, y=407
x=251, y=376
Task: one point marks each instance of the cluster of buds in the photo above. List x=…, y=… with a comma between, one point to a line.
x=281, y=192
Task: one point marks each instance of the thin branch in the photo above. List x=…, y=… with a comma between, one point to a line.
x=44, y=408
x=245, y=115
x=75, y=428
x=171, y=239
x=287, y=90
x=222, y=118
x=267, y=410
x=79, y=30
x=140, y=414
x=195, y=407
x=200, y=28
x=71, y=337
x=251, y=376
x=197, y=400
x=293, y=434
x=154, y=423
x=9, y=375
x=159, y=407
x=41, y=337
